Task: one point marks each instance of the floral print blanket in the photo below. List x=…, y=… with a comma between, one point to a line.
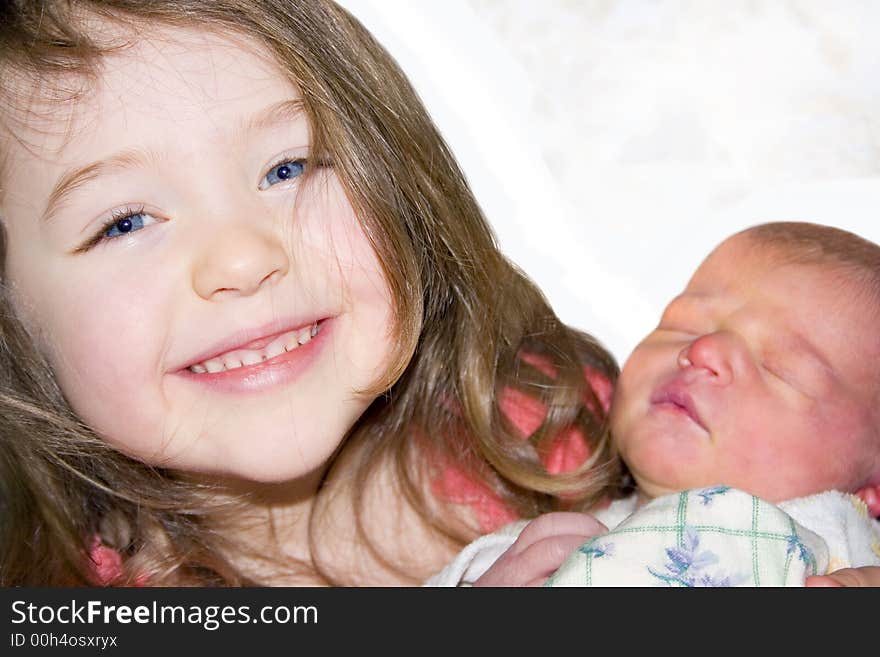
x=722, y=536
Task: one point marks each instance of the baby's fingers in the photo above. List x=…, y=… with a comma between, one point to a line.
x=865, y=576
x=560, y=523
x=533, y=565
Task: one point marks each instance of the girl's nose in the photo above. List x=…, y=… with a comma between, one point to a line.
x=239, y=261
x=714, y=353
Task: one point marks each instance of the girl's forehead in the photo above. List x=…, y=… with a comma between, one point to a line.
x=181, y=93
x=180, y=73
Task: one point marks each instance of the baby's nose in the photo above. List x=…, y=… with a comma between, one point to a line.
x=713, y=353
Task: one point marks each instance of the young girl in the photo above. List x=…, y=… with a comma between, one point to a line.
x=254, y=328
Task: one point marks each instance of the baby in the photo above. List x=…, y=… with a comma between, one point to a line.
x=758, y=388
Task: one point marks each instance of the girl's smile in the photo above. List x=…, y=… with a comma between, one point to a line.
x=275, y=359
x=192, y=274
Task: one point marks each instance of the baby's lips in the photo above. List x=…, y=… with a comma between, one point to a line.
x=676, y=393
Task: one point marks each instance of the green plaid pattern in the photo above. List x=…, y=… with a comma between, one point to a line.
x=708, y=537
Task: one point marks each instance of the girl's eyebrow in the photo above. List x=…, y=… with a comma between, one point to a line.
x=72, y=180
x=285, y=110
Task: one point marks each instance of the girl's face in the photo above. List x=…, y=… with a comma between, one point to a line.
x=168, y=258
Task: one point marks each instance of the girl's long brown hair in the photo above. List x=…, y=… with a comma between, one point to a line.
x=465, y=316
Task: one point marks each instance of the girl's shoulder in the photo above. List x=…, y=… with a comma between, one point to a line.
x=568, y=450
x=389, y=532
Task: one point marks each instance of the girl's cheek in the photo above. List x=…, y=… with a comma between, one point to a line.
x=330, y=240
x=107, y=360
x=104, y=335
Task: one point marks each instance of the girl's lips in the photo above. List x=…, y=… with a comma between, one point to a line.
x=255, y=338
x=282, y=369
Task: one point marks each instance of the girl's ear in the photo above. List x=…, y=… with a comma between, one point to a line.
x=870, y=495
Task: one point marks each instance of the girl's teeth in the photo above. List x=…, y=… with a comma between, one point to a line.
x=304, y=335
x=235, y=359
x=214, y=365
x=251, y=357
x=274, y=349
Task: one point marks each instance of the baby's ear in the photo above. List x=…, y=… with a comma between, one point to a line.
x=870, y=495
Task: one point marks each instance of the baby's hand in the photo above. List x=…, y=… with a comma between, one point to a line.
x=541, y=548
x=864, y=576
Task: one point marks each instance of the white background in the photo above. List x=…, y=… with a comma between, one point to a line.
x=613, y=143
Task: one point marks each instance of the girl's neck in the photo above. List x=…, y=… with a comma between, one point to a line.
x=270, y=523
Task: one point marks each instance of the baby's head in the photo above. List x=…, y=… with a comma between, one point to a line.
x=762, y=374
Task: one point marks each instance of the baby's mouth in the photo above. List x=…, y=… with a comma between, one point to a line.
x=241, y=357
x=680, y=400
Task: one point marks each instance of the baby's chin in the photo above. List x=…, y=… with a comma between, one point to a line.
x=652, y=483
x=649, y=490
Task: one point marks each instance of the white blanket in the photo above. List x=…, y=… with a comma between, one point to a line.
x=709, y=537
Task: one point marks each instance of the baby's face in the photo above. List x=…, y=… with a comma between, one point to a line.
x=758, y=376
x=228, y=323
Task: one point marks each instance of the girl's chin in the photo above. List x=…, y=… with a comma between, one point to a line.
x=275, y=471
x=255, y=477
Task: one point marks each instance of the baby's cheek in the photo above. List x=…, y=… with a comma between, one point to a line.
x=630, y=401
x=849, y=441
x=791, y=455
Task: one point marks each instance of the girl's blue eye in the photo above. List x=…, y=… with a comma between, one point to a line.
x=127, y=224
x=283, y=171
